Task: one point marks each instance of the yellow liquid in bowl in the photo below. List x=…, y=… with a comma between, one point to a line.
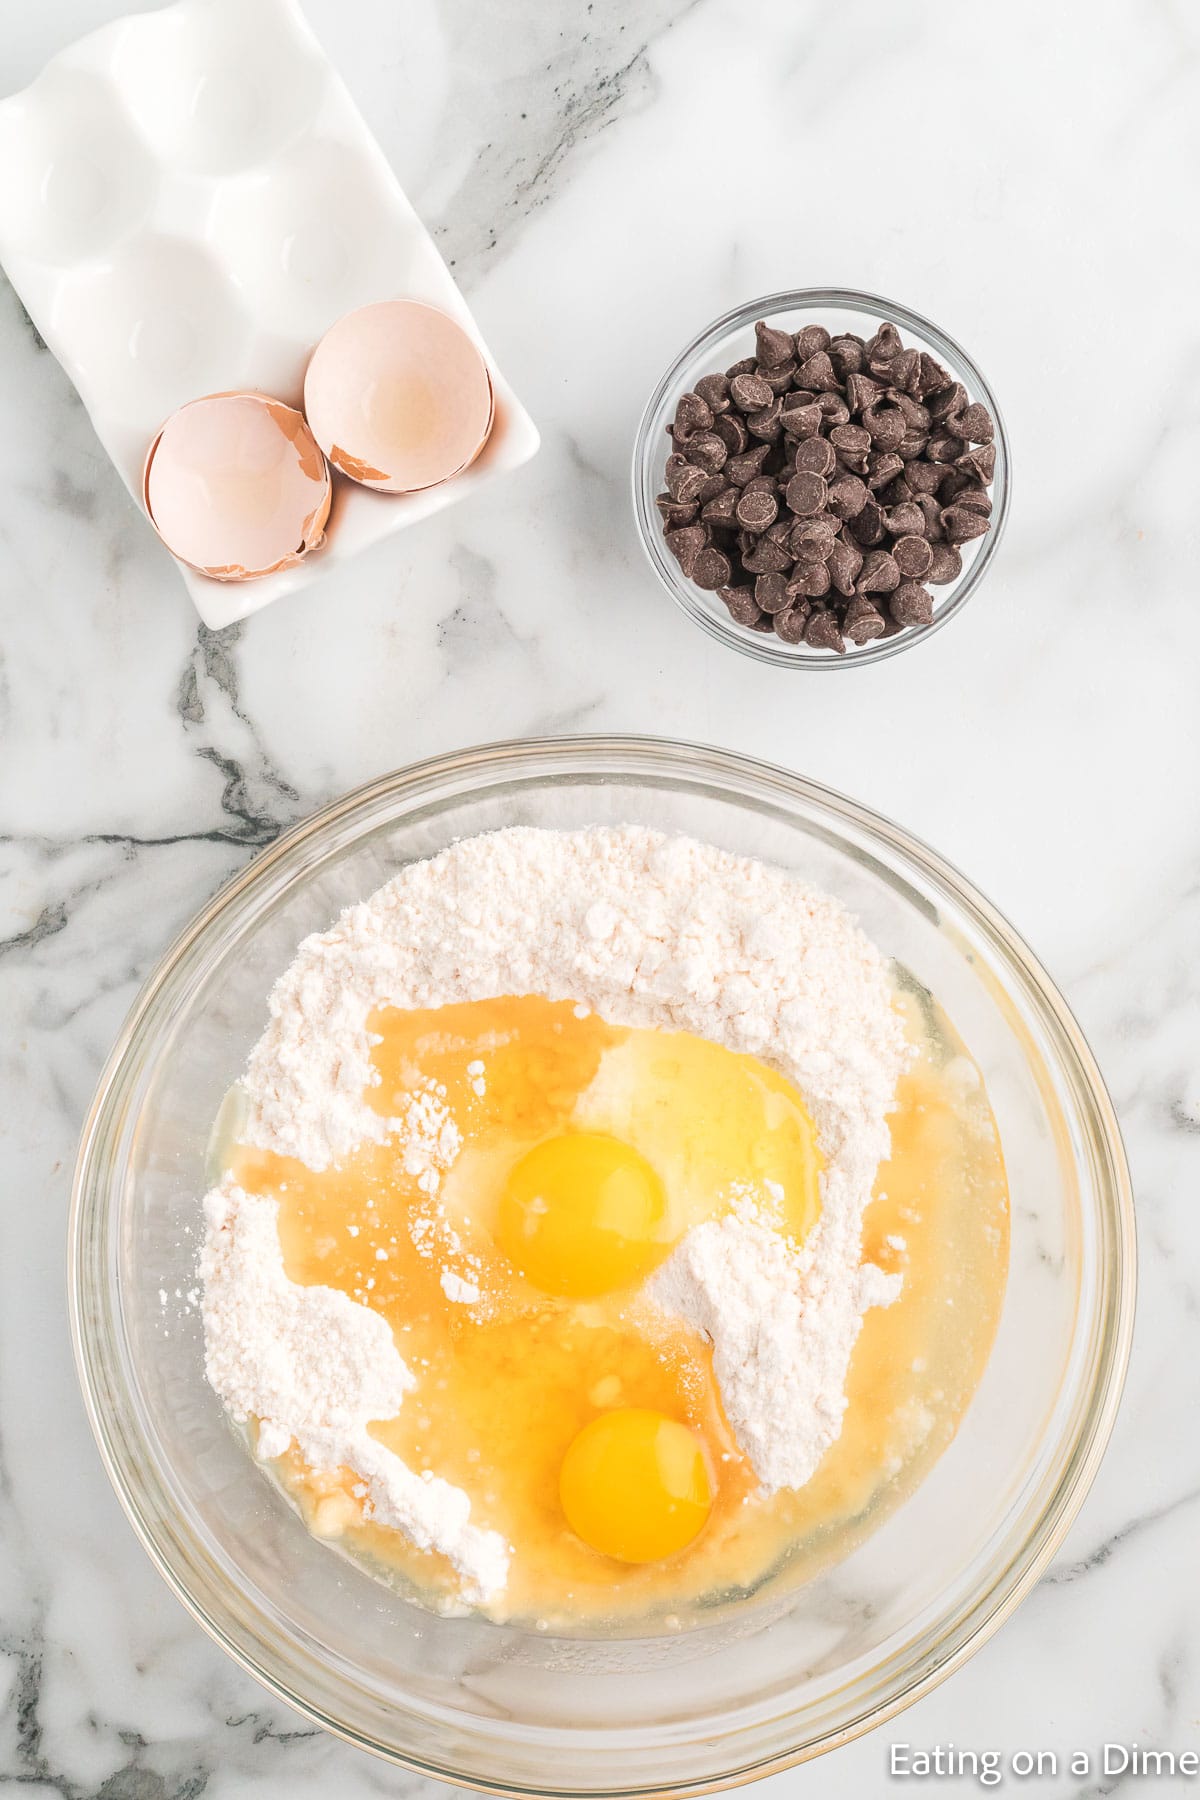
x=558, y=1335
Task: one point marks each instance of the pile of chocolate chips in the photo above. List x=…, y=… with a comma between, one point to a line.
x=822, y=486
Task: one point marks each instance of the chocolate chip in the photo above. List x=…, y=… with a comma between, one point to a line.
x=812, y=540
x=931, y=512
x=742, y=605
x=867, y=527
x=896, y=493
x=847, y=496
x=847, y=354
x=975, y=424
x=962, y=523
x=747, y=366
x=779, y=380
x=810, y=579
x=691, y=414
x=912, y=445
x=916, y=416
x=944, y=447
x=818, y=373
x=913, y=556
x=684, y=483
x=850, y=464
x=801, y=421
x=924, y=477
x=773, y=346
x=911, y=604
x=933, y=377
x=685, y=545
x=976, y=499
x=955, y=482
x=822, y=632
x=883, y=466
x=743, y=468
x=721, y=508
x=905, y=369
x=834, y=410
x=950, y=400
x=789, y=624
x=757, y=509
x=711, y=568
x=886, y=425
x=750, y=393
x=707, y=451
x=730, y=427
x=879, y=574
x=885, y=343
x=862, y=392
x=845, y=560
x=905, y=518
x=811, y=340
x=767, y=557
x=765, y=424
x=806, y=493
x=852, y=438
x=673, y=513
x=714, y=391
x=771, y=593
x=946, y=565
x=862, y=621
x=980, y=463
x=815, y=456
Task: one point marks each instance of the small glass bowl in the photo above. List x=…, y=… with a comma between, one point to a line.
x=727, y=340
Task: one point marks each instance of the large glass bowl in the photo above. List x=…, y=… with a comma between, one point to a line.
x=504, y=1709
x=726, y=341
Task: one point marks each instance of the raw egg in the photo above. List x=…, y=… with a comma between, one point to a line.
x=399, y=397
x=582, y=1214
x=634, y=1485
x=717, y=1127
x=236, y=486
x=591, y=1150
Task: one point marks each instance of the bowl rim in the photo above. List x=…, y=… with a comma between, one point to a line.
x=1089, y=1432
x=690, y=600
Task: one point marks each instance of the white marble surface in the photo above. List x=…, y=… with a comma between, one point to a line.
x=568, y=159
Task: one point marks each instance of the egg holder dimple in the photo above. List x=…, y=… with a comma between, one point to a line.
x=191, y=200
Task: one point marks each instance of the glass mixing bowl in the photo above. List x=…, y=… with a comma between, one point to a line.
x=727, y=340
x=505, y=1709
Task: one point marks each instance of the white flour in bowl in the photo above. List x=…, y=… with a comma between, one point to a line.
x=648, y=931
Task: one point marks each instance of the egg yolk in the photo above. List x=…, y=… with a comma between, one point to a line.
x=582, y=1214
x=634, y=1485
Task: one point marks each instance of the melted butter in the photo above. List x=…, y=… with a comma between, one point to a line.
x=506, y=1382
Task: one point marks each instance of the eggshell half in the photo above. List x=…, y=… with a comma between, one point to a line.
x=236, y=486
x=399, y=396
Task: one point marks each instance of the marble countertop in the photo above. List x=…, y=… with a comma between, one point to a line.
x=567, y=158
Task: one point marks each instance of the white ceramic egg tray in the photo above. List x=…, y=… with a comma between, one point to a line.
x=190, y=199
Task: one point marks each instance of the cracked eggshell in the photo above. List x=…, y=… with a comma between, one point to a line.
x=236, y=486
x=399, y=396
